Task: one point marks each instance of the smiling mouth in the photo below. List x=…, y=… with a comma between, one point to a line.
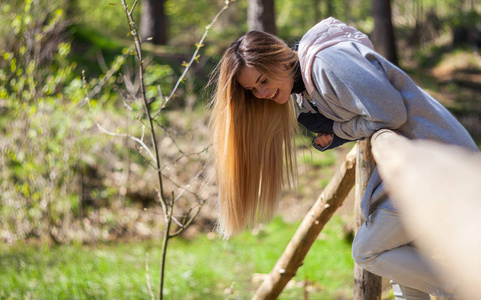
x=274, y=95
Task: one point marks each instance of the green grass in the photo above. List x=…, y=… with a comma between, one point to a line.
x=318, y=159
x=196, y=269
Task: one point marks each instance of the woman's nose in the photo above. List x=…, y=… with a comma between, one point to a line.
x=261, y=92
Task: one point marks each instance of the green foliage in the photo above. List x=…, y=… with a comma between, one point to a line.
x=294, y=18
x=185, y=21
x=158, y=80
x=34, y=58
x=36, y=157
x=470, y=20
x=107, y=17
x=51, y=150
x=45, y=138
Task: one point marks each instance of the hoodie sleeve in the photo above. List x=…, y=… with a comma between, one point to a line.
x=358, y=92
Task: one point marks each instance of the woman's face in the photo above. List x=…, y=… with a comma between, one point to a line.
x=263, y=87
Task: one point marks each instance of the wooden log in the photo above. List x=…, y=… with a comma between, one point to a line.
x=437, y=189
x=367, y=286
x=330, y=199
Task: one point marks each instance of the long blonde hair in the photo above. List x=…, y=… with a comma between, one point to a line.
x=253, y=139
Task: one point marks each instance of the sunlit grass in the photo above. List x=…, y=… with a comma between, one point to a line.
x=318, y=159
x=202, y=268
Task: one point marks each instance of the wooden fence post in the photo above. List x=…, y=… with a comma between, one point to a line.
x=321, y=212
x=367, y=286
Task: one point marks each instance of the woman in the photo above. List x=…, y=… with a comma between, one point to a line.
x=349, y=92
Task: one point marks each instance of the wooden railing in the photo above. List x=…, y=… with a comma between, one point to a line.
x=436, y=187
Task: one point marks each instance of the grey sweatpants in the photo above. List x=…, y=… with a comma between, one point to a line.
x=384, y=248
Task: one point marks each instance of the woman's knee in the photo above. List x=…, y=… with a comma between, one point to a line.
x=361, y=251
x=364, y=251
x=382, y=234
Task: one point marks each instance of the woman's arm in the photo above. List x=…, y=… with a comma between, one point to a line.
x=317, y=123
x=358, y=91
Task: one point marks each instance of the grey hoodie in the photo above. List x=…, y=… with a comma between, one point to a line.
x=362, y=93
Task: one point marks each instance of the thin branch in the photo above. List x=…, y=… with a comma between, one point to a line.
x=168, y=212
x=179, y=186
x=147, y=276
x=186, y=224
x=161, y=96
x=194, y=57
x=163, y=201
x=195, y=177
x=183, y=154
x=101, y=60
x=165, y=243
x=185, y=217
x=137, y=140
x=186, y=155
x=104, y=130
x=98, y=87
x=131, y=87
x=180, y=195
x=189, y=222
x=133, y=7
x=127, y=105
x=177, y=222
x=138, y=48
x=170, y=137
x=143, y=132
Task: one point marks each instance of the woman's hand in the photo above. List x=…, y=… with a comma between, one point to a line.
x=323, y=139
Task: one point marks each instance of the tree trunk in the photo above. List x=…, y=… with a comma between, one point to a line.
x=367, y=286
x=317, y=10
x=154, y=22
x=320, y=213
x=261, y=16
x=383, y=33
x=330, y=8
x=347, y=6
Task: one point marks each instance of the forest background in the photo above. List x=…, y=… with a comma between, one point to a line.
x=79, y=204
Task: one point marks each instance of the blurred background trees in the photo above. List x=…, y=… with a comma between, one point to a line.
x=261, y=16
x=62, y=180
x=382, y=35
x=154, y=21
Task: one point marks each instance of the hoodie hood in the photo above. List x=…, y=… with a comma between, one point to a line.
x=326, y=33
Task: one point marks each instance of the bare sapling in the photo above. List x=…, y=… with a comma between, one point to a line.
x=167, y=200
